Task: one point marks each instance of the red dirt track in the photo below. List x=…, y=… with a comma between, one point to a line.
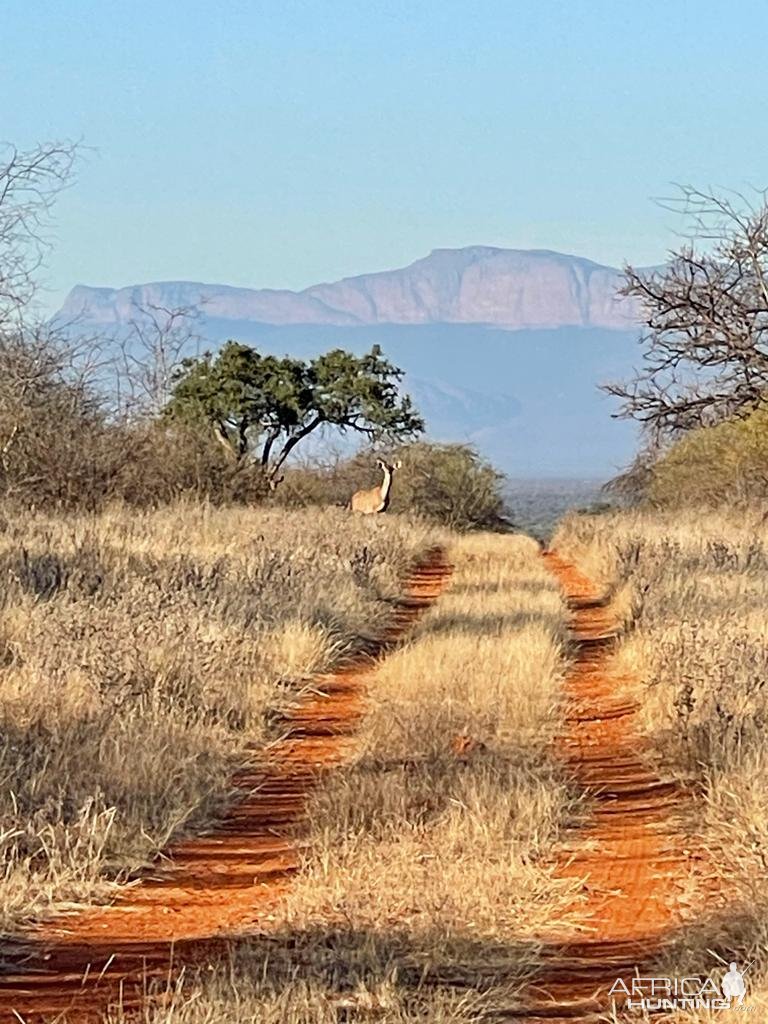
x=211, y=889
x=630, y=851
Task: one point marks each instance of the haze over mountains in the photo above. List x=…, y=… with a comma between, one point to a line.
x=509, y=288
x=502, y=347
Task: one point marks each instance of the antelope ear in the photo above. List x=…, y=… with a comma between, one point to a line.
x=380, y=462
x=398, y=464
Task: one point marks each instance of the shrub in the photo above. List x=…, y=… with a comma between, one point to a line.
x=62, y=448
x=723, y=464
x=446, y=483
x=54, y=434
x=451, y=484
x=168, y=462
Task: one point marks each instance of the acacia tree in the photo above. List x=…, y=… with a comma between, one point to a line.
x=705, y=347
x=261, y=406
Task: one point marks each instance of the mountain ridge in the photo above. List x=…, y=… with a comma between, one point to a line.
x=512, y=289
x=503, y=348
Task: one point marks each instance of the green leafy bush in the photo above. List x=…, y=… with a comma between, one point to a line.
x=724, y=464
x=449, y=483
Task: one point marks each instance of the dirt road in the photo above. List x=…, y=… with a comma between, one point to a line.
x=213, y=889
x=631, y=851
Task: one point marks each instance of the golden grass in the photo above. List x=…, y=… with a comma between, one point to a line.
x=414, y=834
x=425, y=877
x=698, y=599
x=140, y=652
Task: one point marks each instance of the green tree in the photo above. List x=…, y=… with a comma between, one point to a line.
x=262, y=406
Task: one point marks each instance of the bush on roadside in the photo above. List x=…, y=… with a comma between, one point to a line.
x=166, y=463
x=719, y=465
x=449, y=484
x=61, y=447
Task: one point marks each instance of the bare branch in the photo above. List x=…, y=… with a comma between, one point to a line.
x=158, y=339
x=29, y=183
x=705, y=348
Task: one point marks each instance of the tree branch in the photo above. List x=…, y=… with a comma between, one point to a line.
x=290, y=444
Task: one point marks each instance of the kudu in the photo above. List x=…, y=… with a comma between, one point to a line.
x=376, y=499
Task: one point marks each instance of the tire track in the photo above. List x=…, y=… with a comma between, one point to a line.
x=631, y=852
x=206, y=891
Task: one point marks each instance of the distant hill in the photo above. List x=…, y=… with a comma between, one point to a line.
x=502, y=347
x=509, y=288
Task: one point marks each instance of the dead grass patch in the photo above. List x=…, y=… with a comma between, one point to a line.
x=425, y=875
x=140, y=652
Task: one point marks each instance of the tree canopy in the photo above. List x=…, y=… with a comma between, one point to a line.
x=262, y=406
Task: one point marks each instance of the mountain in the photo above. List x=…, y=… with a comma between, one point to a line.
x=501, y=347
x=510, y=288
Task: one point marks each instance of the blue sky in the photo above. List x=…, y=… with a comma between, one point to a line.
x=280, y=144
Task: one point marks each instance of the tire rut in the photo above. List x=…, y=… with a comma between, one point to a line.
x=630, y=852
x=206, y=891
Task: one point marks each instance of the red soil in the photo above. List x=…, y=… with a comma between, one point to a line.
x=631, y=852
x=209, y=890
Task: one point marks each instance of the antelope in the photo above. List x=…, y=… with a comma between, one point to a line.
x=377, y=498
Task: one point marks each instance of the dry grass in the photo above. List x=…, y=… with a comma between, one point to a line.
x=424, y=881
x=139, y=652
x=417, y=835
x=323, y=978
x=696, y=589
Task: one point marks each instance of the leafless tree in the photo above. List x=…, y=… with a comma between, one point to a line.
x=48, y=410
x=157, y=340
x=29, y=182
x=705, y=347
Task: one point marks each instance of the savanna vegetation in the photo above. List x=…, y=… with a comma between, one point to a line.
x=165, y=587
x=172, y=575
x=426, y=877
x=141, y=652
x=141, y=418
x=695, y=589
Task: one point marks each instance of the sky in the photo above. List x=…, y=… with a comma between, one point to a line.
x=285, y=143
